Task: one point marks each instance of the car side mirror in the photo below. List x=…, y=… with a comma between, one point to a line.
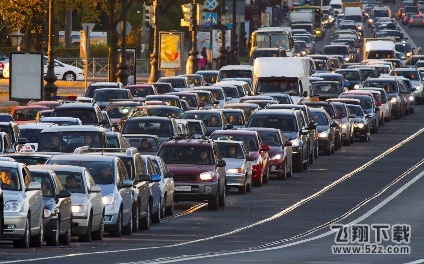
x=216, y=102
x=34, y=186
x=229, y=126
x=304, y=132
x=64, y=194
x=334, y=124
x=352, y=116
x=144, y=177
x=288, y=144
x=155, y=178
x=221, y=163
x=95, y=189
x=265, y=148
x=126, y=184
x=305, y=94
x=22, y=141
x=169, y=174
x=249, y=158
x=368, y=116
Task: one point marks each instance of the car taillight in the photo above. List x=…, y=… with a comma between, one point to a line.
x=406, y=18
x=411, y=21
x=1, y=65
x=423, y=21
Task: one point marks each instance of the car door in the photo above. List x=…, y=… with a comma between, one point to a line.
x=64, y=205
x=143, y=187
x=168, y=182
x=220, y=170
x=35, y=200
x=288, y=151
x=95, y=198
x=124, y=192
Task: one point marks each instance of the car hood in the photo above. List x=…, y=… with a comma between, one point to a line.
x=322, y=128
x=12, y=195
x=190, y=168
x=290, y=136
x=359, y=119
x=233, y=163
x=274, y=150
x=392, y=95
x=49, y=203
x=106, y=188
x=79, y=198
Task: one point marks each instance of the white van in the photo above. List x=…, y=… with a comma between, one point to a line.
x=337, y=6
x=355, y=14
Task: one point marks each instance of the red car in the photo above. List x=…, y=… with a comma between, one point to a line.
x=257, y=150
x=50, y=104
x=27, y=114
x=141, y=90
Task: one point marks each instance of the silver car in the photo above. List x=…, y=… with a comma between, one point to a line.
x=416, y=21
x=167, y=186
x=384, y=101
x=110, y=174
x=23, y=206
x=86, y=199
x=239, y=164
x=347, y=121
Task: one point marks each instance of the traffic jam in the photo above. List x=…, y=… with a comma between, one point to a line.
x=118, y=159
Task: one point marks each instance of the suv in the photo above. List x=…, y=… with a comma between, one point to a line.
x=12, y=129
x=198, y=168
x=163, y=127
x=110, y=174
x=99, y=85
x=290, y=122
x=103, y=96
x=88, y=113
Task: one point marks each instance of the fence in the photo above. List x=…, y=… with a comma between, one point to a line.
x=99, y=66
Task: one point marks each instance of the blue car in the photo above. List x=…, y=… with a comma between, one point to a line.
x=331, y=77
x=157, y=205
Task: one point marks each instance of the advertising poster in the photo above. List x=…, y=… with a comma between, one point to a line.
x=131, y=62
x=170, y=51
x=216, y=41
x=96, y=38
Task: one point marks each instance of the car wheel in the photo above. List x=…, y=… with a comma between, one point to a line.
x=312, y=157
x=156, y=216
x=145, y=221
x=54, y=240
x=69, y=76
x=162, y=208
x=316, y=151
x=266, y=177
x=374, y=129
x=222, y=197
x=25, y=241
x=347, y=142
x=136, y=218
x=333, y=148
x=242, y=189
x=87, y=236
x=398, y=114
x=328, y=150
x=290, y=173
x=213, y=203
x=65, y=239
x=299, y=163
x=38, y=240
x=249, y=187
x=117, y=230
x=127, y=230
x=352, y=137
x=169, y=210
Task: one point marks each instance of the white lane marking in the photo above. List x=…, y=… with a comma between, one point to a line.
x=359, y=219
x=416, y=261
x=285, y=211
x=186, y=212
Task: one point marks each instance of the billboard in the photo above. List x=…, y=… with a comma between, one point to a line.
x=96, y=38
x=170, y=50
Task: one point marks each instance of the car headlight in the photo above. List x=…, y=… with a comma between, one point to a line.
x=411, y=98
x=360, y=125
x=408, y=54
x=344, y=126
x=303, y=52
x=234, y=170
x=322, y=134
x=78, y=208
x=295, y=142
x=393, y=100
x=347, y=59
x=108, y=199
x=370, y=21
x=206, y=176
x=418, y=87
x=47, y=213
x=276, y=157
x=360, y=28
x=12, y=206
x=356, y=87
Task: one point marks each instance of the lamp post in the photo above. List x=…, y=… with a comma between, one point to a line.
x=16, y=38
x=234, y=54
x=50, y=89
x=193, y=60
x=123, y=66
x=154, y=63
x=222, y=57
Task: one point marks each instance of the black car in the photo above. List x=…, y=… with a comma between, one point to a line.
x=326, y=89
x=163, y=127
x=100, y=85
x=213, y=119
x=353, y=78
x=289, y=121
x=57, y=207
x=103, y=96
x=88, y=113
x=361, y=128
x=164, y=111
x=326, y=130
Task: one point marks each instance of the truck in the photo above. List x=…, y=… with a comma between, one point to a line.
x=379, y=48
x=351, y=3
x=301, y=17
x=282, y=75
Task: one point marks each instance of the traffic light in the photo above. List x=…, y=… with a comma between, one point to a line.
x=188, y=13
x=201, y=15
x=150, y=15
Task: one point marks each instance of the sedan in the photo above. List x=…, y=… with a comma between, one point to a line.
x=361, y=126
x=166, y=183
x=326, y=130
x=213, y=119
x=57, y=207
x=416, y=21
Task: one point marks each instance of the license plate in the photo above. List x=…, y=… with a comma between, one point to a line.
x=183, y=188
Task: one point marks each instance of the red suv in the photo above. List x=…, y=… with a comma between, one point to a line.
x=257, y=150
x=199, y=170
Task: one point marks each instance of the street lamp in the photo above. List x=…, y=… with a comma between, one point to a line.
x=50, y=89
x=154, y=63
x=222, y=57
x=123, y=66
x=16, y=38
x=193, y=60
x=233, y=56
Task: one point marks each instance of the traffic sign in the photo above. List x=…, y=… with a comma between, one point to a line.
x=211, y=4
x=90, y=27
x=213, y=16
x=127, y=30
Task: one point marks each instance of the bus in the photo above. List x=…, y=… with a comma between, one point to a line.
x=272, y=37
x=317, y=18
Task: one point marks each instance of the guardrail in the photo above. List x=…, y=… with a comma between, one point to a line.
x=99, y=66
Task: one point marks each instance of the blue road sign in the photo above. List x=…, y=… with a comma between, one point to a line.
x=214, y=17
x=211, y=4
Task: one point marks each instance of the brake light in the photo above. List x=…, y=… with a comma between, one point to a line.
x=423, y=21
x=1, y=65
x=64, y=97
x=417, y=16
x=411, y=21
x=406, y=19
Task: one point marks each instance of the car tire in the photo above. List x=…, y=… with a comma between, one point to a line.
x=117, y=230
x=162, y=208
x=283, y=176
x=242, y=189
x=249, y=187
x=87, y=236
x=136, y=218
x=347, y=142
x=213, y=203
x=69, y=76
x=54, y=240
x=127, y=230
x=169, y=210
x=156, y=216
x=374, y=129
x=222, y=197
x=352, y=139
x=38, y=240
x=398, y=114
x=299, y=163
x=290, y=173
x=25, y=241
x=316, y=151
x=145, y=221
x=65, y=239
x=312, y=157
x=266, y=177
x=333, y=149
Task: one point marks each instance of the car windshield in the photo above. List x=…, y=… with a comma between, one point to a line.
x=411, y=9
x=191, y=99
x=153, y=127
x=249, y=141
x=390, y=87
x=205, y=98
x=118, y=111
x=231, y=92
x=195, y=80
x=176, y=83
x=355, y=109
x=322, y=88
x=264, y=53
x=230, y=150
x=281, y=99
x=166, y=112
x=143, y=144
x=329, y=78
x=235, y=74
x=26, y=114
x=284, y=123
x=101, y=171
x=366, y=103
x=234, y=118
x=141, y=91
x=341, y=111
x=172, y=154
x=210, y=119
x=171, y=101
x=107, y=95
x=320, y=65
x=71, y=181
x=380, y=54
x=320, y=118
x=303, y=38
x=10, y=179
x=87, y=116
x=278, y=86
x=162, y=88
x=350, y=75
x=411, y=75
x=270, y=138
x=210, y=78
x=68, y=141
x=218, y=94
x=335, y=50
x=32, y=135
x=47, y=187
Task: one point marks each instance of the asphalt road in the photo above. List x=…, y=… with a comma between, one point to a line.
x=283, y=221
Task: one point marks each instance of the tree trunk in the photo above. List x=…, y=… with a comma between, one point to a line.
x=113, y=55
x=68, y=29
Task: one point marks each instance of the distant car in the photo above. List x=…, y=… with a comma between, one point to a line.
x=164, y=111
x=120, y=109
x=217, y=92
x=194, y=79
x=213, y=119
x=88, y=113
x=179, y=83
x=248, y=108
x=236, y=117
x=99, y=85
x=163, y=87
x=27, y=114
x=209, y=76
x=193, y=99
x=142, y=90
x=326, y=130
x=61, y=121
x=361, y=125
x=145, y=144
x=50, y=104
x=163, y=127
x=167, y=185
x=171, y=100
x=103, y=96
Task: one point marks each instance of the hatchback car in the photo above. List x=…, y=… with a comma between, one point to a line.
x=361, y=125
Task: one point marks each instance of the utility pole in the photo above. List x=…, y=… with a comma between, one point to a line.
x=222, y=57
x=50, y=89
x=193, y=60
x=234, y=49
x=154, y=71
x=123, y=66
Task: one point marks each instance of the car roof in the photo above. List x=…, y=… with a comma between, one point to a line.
x=54, y=167
x=243, y=104
x=31, y=107
x=275, y=112
x=159, y=118
x=36, y=126
x=10, y=164
x=208, y=72
x=141, y=135
x=76, y=105
x=58, y=118
x=235, y=132
x=261, y=129
x=161, y=107
x=404, y=69
x=203, y=111
x=74, y=128
x=186, y=142
x=385, y=79
x=85, y=157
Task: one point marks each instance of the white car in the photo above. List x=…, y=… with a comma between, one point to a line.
x=166, y=183
x=62, y=70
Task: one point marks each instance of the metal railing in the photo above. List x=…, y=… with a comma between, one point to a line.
x=98, y=67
